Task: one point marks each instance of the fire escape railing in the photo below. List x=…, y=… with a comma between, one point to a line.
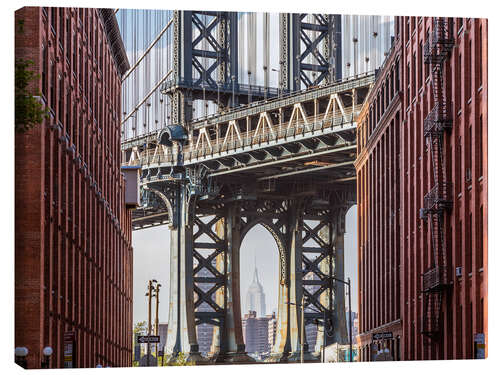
x=439, y=199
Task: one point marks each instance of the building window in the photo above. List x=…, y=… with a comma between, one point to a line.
x=458, y=261
x=480, y=57
x=459, y=81
x=468, y=265
x=480, y=145
x=60, y=103
x=471, y=152
x=480, y=250
x=420, y=49
x=53, y=17
x=53, y=88
x=414, y=75
x=427, y=41
x=458, y=167
x=68, y=39
x=44, y=71
x=471, y=72
x=408, y=78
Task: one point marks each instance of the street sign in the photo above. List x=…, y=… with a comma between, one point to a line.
x=69, y=349
x=382, y=336
x=148, y=339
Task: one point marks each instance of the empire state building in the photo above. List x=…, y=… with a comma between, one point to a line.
x=256, y=299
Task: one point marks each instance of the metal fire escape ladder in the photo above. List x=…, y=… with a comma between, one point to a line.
x=439, y=199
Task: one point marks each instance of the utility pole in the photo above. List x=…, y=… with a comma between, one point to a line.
x=302, y=331
x=350, y=320
x=157, y=295
x=149, y=294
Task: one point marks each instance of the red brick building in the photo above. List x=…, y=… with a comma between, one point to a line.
x=422, y=193
x=73, y=261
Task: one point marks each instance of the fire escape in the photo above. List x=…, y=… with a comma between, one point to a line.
x=439, y=199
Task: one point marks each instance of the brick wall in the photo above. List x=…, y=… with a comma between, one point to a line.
x=73, y=233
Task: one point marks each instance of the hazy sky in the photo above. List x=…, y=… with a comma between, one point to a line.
x=152, y=261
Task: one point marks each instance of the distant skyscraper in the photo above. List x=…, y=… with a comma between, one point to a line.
x=256, y=299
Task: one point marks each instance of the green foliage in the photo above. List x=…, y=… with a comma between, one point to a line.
x=29, y=110
x=181, y=360
x=140, y=328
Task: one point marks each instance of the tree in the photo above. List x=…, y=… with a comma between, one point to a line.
x=29, y=111
x=139, y=330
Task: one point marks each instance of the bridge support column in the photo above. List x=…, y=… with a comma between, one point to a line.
x=230, y=336
x=181, y=320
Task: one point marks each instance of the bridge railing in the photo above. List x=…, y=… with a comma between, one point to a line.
x=280, y=131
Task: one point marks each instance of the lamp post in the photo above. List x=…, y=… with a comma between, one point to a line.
x=47, y=352
x=21, y=352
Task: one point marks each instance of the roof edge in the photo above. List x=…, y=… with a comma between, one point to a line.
x=114, y=39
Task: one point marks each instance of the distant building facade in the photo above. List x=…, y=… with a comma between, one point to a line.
x=259, y=333
x=162, y=332
x=73, y=250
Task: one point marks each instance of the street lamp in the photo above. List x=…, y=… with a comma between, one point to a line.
x=47, y=352
x=21, y=352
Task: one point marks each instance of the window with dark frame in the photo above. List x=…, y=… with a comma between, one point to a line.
x=480, y=145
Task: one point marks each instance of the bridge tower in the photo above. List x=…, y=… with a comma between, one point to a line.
x=215, y=178
x=310, y=49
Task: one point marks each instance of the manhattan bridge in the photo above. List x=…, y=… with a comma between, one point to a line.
x=237, y=120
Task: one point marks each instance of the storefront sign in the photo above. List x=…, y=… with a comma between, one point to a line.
x=382, y=336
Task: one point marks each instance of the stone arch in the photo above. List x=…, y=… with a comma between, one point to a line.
x=278, y=237
x=167, y=203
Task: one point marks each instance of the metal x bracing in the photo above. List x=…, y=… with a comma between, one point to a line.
x=319, y=33
x=209, y=279
x=215, y=53
x=317, y=258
